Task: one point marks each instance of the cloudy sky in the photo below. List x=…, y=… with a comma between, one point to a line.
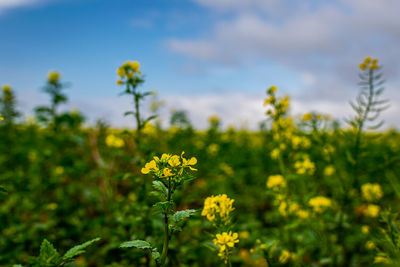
x=203, y=56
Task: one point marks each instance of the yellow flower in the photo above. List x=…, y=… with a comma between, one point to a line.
x=320, y=203
x=381, y=259
x=244, y=235
x=217, y=207
x=365, y=229
x=213, y=120
x=305, y=167
x=135, y=66
x=53, y=77
x=225, y=241
x=6, y=88
x=329, y=170
x=372, y=210
x=113, y=141
x=370, y=245
x=121, y=72
x=307, y=117
x=303, y=214
x=174, y=161
x=272, y=89
x=367, y=60
x=1, y=118
x=275, y=153
x=284, y=257
x=189, y=163
x=276, y=182
x=371, y=192
x=150, y=167
x=119, y=82
x=167, y=172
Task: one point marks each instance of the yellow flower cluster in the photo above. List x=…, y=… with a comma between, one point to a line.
x=306, y=166
x=53, y=77
x=169, y=165
x=217, y=208
x=372, y=210
x=279, y=106
x=320, y=203
x=276, y=182
x=371, y=192
x=114, y=141
x=128, y=70
x=286, y=255
x=292, y=208
x=6, y=88
x=1, y=118
x=309, y=116
x=329, y=170
x=369, y=63
x=214, y=120
x=300, y=141
x=225, y=241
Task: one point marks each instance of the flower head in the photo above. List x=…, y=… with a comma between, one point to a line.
x=276, y=182
x=218, y=208
x=320, y=203
x=224, y=242
x=369, y=64
x=371, y=192
x=53, y=77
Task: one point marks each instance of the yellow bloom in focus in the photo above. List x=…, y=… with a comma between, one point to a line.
x=372, y=210
x=284, y=257
x=276, y=182
x=371, y=192
x=320, y=203
x=189, y=163
x=53, y=77
x=6, y=88
x=225, y=241
x=150, y=167
x=167, y=172
x=113, y=141
x=174, y=161
x=307, y=117
x=217, y=207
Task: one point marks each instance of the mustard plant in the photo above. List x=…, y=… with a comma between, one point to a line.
x=131, y=77
x=170, y=173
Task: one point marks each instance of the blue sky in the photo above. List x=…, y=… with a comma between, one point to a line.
x=204, y=56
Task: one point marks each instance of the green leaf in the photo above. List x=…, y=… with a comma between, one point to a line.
x=136, y=244
x=129, y=113
x=3, y=190
x=159, y=186
x=79, y=249
x=48, y=253
x=155, y=254
x=182, y=214
x=164, y=205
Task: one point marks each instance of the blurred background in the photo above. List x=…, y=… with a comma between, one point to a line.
x=203, y=56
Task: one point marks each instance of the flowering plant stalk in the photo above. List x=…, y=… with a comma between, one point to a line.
x=217, y=210
x=131, y=77
x=170, y=172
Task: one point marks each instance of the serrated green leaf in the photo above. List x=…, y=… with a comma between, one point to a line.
x=135, y=244
x=159, y=186
x=48, y=253
x=79, y=249
x=182, y=214
x=155, y=254
x=164, y=205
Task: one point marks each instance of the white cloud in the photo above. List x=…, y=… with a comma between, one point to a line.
x=8, y=4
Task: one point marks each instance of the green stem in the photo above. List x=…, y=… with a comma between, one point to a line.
x=166, y=230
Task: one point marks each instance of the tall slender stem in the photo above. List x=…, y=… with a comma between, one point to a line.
x=166, y=230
